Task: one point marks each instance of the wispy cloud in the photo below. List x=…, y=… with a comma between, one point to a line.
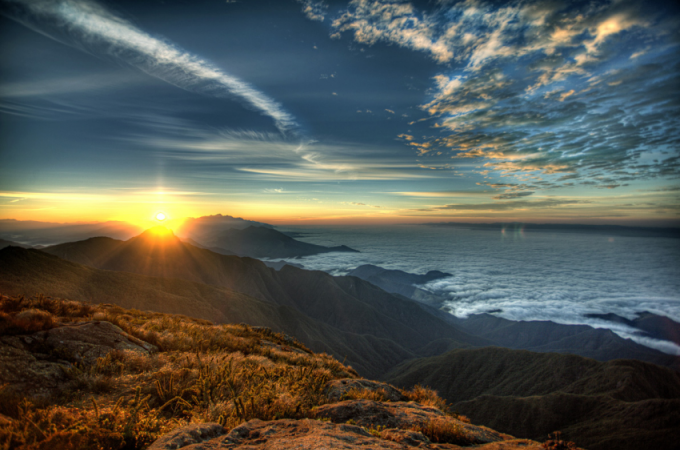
x=507, y=206
x=89, y=26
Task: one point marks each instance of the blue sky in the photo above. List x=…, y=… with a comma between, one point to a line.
x=352, y=112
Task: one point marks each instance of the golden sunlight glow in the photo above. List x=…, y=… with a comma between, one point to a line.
x=160, y=231
x=160, y=216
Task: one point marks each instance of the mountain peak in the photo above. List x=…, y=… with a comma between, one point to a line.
x=158, y=234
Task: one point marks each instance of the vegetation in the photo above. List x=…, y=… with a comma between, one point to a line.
x=202, y=372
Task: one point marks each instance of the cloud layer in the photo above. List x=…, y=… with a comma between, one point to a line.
x=565, y=94
x=88, y=26
x=528, y=275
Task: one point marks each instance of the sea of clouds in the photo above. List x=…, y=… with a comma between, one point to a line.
x=526, y=275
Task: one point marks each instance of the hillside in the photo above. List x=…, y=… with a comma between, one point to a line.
x=400, y=282
x=406, y=328
x=597, y=343
x=76, y=375
x=4, y=243
x=360, y=322
x=622, y=404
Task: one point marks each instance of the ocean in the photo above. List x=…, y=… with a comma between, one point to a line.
x=519, y=274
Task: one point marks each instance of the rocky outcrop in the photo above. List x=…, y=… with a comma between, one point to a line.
x=338, y=389
x=188, y=435
x=310, y=434
x=404, y=415
x=38, y=362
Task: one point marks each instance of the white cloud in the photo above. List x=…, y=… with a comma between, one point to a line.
x=89, y=26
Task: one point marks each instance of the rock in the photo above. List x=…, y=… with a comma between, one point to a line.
x=37, y=363
x=303, y=434
x=188, y=435
x=406, y=437
x=91, y=340
x=403, y=415
x=310, y=434
x=338, y=388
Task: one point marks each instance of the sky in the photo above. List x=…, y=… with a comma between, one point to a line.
x=325, y=112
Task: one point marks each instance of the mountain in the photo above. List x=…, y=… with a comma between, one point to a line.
x=26, y=272
x=344, y=316
x=622, y=404
x=235, y=236
x=405, y=328
x=48, y=233
x=547, y=336
x=157, y=381
x=262, y=242
x=4, y=243
x=400, y=282
x=208, y=225
x=652, y=325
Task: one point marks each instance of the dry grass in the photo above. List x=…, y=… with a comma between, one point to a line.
x=202, y=372
x=444, y=431
x=430, y=397
x=378, y=395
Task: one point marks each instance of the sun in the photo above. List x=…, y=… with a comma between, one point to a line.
x=160, y=216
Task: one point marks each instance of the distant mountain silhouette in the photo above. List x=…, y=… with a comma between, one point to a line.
x=208, y=225
x=652, y=325
x=4, y=243
x=400, y=282
x=263, y=242
x=235, y=236
x=622, y=404
x=546, y=336
x=34, y=233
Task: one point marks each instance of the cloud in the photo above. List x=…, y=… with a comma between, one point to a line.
x=88, y=26
x=67, y=85
x=440, y=194
x=394, y=22
x=314, y=10
x=541, y=88
x=510, y=195
x=507, y=206
x=565, y=284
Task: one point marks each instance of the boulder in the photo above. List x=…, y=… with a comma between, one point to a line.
x=188, y=435
x=38, y=363
x=336, y=389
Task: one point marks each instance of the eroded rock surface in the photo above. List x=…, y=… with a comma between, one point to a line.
x=36, y=364
x=404, y=415
x=188, y=435
x=308, y=434
x=338, y=388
